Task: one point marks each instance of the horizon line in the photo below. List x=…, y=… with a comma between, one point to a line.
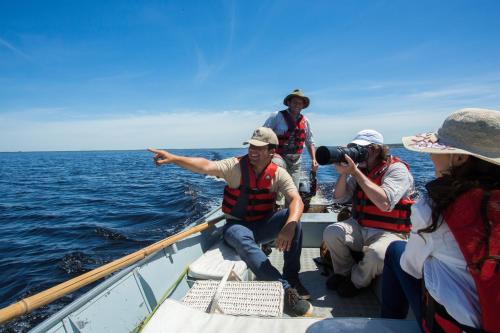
x=390, y=145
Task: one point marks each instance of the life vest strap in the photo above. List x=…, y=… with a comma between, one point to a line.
x=388, y=219
x=398, y=206
x=295, y=131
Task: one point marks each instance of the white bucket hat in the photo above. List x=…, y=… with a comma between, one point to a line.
x=469, y=131
x=367, y=137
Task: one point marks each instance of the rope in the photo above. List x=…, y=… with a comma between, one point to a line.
x=167, y=293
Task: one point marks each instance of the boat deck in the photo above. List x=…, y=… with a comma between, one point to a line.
x=327, y=303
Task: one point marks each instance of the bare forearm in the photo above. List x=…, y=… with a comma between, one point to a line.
x=195, y=164
x=312, y=151
x=340, y=187
x=374, y=192
x=295, y=208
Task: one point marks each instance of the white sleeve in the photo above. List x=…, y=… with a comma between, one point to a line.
x=396, y=183
x=309, y=134
x=271, y=121
x=349, y=191
x=419, y=246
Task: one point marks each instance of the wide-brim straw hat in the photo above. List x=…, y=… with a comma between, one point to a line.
x=297, y=93
x=469, y=131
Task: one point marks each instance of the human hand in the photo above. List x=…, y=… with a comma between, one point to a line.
x=314, y=166
x=162, y=156
x=285, y=237
x=346, y=168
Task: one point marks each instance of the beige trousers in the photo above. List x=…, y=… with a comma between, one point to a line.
x=341, y=237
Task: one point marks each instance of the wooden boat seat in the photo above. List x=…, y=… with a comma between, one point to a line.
x=215, y=262
x=173, y=316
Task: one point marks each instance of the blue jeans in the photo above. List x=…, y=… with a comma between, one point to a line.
x=245, y=236
x=399, y=289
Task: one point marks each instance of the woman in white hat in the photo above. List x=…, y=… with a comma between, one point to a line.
x=455, y=242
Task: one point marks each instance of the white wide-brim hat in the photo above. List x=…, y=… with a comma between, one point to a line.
x=469, y=131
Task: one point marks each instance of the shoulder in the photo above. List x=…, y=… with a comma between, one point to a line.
x=399, y=164
x=281, y=172
x=227, y=164
x=421, y=213
x=275, y=115
x=397, y=168
x=283, y=179
x=272, y=119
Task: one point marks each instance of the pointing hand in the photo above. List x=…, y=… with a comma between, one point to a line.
x=162, y=156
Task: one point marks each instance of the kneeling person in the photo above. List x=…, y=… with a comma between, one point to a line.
x=252, y=184
x=380, y=189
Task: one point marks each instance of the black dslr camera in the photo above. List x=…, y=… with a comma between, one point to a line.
x=330, y=155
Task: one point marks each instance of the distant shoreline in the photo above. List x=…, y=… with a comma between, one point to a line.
x=391, y=145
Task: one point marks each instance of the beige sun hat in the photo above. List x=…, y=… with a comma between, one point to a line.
x=297, y=93
x=262, y=136
x=469, y=131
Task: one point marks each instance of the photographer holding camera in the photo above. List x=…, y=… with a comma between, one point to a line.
x=380, y=187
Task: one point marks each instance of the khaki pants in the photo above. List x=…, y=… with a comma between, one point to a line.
x=341, y=237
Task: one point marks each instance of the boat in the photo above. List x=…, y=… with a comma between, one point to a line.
x=179, y=285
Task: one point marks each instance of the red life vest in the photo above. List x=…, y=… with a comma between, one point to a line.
x=474, y=220
x=296, y=132
x=253, y=199
x=369, y=215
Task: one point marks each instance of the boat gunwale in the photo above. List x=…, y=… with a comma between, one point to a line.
x=29, y=304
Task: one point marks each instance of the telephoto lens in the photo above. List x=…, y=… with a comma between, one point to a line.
x=335, y=154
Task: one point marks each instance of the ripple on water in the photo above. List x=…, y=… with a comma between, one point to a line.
x=65, y=213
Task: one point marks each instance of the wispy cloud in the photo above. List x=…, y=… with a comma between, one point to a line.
x=177, y=129
x=206, y=67
x=15, y=50
x=374, y=96
x=336, y=113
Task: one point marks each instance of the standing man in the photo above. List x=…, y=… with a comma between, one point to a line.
x=293, y=130
x=380, y=189
x=249, y=196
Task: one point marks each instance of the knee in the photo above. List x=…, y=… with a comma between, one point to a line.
x=235, y=234
x=394, y=252
x=332, y=233
x=373, y=256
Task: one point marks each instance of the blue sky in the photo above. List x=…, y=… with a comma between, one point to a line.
x=191, y=74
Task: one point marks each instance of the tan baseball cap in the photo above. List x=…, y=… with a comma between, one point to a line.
x=262, y=136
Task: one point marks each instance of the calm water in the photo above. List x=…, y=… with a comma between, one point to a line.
x=65, y=213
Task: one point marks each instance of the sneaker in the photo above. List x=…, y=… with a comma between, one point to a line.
x=348, y=289
x=294, y=306
x=302, y=291
x=334, y=281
